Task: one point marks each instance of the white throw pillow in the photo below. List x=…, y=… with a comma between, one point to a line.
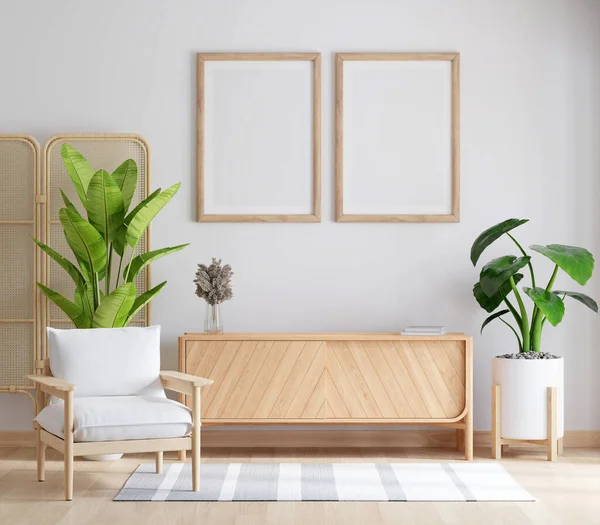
x=107, y=361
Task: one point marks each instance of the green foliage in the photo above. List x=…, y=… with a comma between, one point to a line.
x=79, y=170
x=141, y=261
x=115, y=307
x=498, y=281
x=105, y=207
x=549, y=303
x=490, y=302
x=582, y=298
x=498, y=271
x=492, y=234
x=105, y=234
x=577, y=263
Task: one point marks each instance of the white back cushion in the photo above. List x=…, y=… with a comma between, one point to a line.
x=107, y=361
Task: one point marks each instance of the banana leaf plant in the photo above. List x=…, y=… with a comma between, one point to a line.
x=497, y=286
x=110, y=231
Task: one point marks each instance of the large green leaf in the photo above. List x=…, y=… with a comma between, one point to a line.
x=144, y=216
x=105, y=205
x=71, y=269
x=581, y=297
x=492, y=317
x=141, y=261
x=115, y=307
x=85, y=241
x=84, y=299
x=120, y=241
x=492, y=234
x=490, y=303
x=79, y=170
x=144, y=298
x=495, y=273
x=125, y=176
x=74, y=312
x=578, y=263
x=550, y=304
x=68, y=204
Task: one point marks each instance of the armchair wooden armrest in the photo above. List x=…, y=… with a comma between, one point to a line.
x=182, y=383
x=52, y=385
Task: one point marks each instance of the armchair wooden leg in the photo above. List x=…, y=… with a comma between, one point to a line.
x=41, y=457
x=181, y=455
x=40, y=403
x=159, y=462
x=196, y=439
x=68, y=451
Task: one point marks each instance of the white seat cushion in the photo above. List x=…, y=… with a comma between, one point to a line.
x=107, y=361
x=118, y=418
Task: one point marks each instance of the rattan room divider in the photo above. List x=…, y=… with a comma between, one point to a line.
x=30, y=203
x=19, y=261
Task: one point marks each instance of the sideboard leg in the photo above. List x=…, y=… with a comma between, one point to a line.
x=552, y=423
x=460, y=439
x=496, y=422
x=469, y=435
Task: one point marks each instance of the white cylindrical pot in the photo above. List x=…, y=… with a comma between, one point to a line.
x=103, y=457
x=524, y=393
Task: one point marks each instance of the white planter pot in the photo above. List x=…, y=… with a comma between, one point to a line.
x=524, y=395
x=103, y=457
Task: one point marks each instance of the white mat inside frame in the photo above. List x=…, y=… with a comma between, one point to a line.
x=326, y=482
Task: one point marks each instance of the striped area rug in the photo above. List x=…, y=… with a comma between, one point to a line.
x=325, y=482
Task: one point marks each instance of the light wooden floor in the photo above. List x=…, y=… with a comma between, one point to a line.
x=568, y=492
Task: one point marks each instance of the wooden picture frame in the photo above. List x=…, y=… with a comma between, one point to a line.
x=449, y=64
x=313, y=164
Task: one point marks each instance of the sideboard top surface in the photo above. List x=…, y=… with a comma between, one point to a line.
x=329, y=336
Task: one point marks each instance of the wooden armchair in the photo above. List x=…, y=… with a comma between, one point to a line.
x=175, y=381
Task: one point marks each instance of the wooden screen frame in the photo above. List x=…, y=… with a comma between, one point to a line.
x=315, y=58
x=454, y=59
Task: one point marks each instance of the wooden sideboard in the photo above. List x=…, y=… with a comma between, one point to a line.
x=334, y=378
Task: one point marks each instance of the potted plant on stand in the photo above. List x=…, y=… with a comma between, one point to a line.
x=106, y=245
x=524, y=377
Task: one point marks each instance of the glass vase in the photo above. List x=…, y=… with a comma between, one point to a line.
x=213, y=324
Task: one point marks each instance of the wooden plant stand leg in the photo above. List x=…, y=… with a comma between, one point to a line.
x=496, y=422
x=552, y=423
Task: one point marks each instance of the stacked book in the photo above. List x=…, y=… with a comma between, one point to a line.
x=425, y=330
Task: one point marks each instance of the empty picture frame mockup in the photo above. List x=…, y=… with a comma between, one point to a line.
x=397, y=137
x=259, y=137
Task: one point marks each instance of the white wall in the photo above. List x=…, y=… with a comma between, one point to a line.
x=530, y=148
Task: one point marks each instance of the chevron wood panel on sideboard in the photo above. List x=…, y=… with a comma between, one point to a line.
x=333, y=378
